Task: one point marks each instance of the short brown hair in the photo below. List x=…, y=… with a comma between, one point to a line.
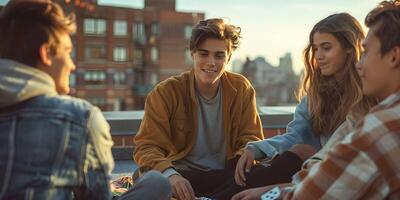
x=215, y=28
x=25, y=25
x=386, y=18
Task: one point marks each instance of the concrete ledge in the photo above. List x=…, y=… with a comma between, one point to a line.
x=124, y=122
x=123, y=153
x=128, y=122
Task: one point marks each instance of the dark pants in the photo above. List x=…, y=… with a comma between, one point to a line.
x=205, y=184
x=281, y=170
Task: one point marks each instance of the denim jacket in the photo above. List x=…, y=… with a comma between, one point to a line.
x=50, y=145
x=298, y=131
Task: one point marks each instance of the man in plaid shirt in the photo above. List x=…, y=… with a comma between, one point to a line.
x=366, y=164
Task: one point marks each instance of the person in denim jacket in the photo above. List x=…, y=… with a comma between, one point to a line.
x=52, y=146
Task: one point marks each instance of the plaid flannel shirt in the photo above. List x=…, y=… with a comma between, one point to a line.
x=340, y=133
x=365, y=165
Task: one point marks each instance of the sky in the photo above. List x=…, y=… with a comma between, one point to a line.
x=270, y=28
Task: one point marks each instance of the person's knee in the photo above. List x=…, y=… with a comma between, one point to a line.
x=157, y=181
x=304, y=151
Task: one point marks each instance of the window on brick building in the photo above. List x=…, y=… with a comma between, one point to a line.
x=118, y=104
x=138, y=56
x=95, y=78
x=155, y=29
x=120, y=28
x=139, y=34
x=154, y=54
x=95, y=52
x=95, y=26
x=119, y=54
x=119, y=78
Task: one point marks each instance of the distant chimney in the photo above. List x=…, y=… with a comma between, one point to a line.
x=160, y=4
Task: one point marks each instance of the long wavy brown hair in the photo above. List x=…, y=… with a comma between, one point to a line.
x=331, y=98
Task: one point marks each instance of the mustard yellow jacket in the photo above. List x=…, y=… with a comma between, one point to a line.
x=168, y=129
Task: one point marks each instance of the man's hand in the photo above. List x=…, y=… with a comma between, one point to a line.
x=251, y=194
x=181, y=188
x=245, y=163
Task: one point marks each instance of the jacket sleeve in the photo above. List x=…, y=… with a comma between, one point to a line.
x=99, y=132
x=250, y=124
x=99, y=161
x=153, y=142
x=298, y=131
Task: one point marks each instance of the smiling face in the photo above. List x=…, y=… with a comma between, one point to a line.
x=62, y=65
x=59, y=65
x=329, y=53
x=210, y=60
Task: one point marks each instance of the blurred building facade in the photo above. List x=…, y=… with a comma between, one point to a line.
x=275, y=85
x=121, y=53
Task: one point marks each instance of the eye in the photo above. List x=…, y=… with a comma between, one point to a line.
x=220, y=56
x=203, y=54
x=326, y=48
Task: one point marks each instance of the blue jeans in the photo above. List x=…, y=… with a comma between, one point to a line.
x=153, y=185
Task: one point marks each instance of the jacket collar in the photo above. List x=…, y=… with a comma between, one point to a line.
x=391, y=100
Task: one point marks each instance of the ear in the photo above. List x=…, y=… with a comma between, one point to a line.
x=395, y=57
x=44, y=53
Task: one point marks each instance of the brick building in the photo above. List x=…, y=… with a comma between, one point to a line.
x=121, y=53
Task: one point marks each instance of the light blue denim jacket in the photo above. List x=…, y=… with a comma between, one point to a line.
x=50, y=144
x=298, y=131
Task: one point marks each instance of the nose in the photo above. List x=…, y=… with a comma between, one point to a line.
x=211, y=61
x=319, y=55
x=73, y=66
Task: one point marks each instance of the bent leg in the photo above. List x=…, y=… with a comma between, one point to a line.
x=281, y=170
x=153, y=185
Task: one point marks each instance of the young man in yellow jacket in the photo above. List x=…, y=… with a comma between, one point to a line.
x=197, y=123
